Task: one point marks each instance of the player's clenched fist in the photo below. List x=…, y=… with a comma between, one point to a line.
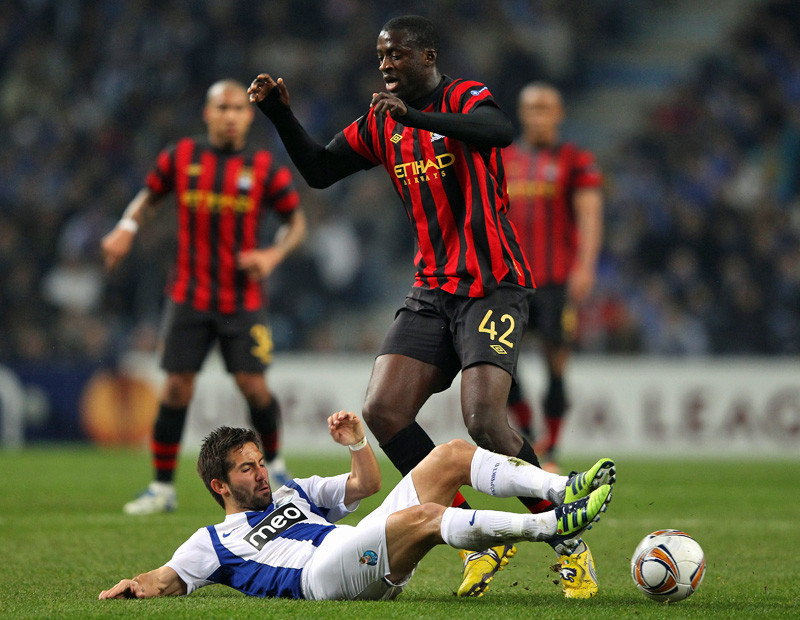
x=384, y=103
x=262, y=87
x=345, y=427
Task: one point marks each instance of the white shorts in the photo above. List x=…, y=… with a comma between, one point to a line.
x=352, y=560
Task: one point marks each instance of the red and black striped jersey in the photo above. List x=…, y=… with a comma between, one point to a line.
x=453, y=192
x=221, y=196
x=541, y=186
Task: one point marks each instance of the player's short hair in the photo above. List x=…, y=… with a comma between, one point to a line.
x=540, y=85
x=223, y=85
x=215, y=455
x=419, y=30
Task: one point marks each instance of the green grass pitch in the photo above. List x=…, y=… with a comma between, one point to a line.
x=64, y=538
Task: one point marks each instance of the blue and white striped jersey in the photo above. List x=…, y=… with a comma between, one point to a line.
x=263, y=553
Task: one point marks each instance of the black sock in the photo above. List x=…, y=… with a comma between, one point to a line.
x=555, y=402
x=166, y=441
x=408, y=447
x=527, y=454
x=267, y=421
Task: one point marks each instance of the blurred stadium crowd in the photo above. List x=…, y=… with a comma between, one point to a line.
x=702, y=251
x=703, y=244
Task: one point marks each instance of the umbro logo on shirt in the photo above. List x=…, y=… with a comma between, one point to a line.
x=274, y=524
x=398, y=136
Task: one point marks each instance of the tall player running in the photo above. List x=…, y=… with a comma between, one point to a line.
x=439, y=140
x=556, y=205
x=222, y=189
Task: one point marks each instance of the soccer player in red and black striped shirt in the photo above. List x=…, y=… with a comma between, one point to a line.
x=556, y=205
x=439, y=139
x=222, y=189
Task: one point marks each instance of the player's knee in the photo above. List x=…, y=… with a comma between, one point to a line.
x=253, y=387
x=373, y=413
x=453, y=459
x=452, y=452
x=178, y=389
x=485, y=430
x=383, y=417
x=426, y=519
x=417, y=525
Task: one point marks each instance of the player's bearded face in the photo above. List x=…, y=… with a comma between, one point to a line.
x=249, y=499
x=248, y=480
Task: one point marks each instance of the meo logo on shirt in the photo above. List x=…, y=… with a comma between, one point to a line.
x=274, y=524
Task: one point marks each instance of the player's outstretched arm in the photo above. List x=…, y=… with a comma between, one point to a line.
x=162, y=581
x=485, y=127
x=319, y=167
x=347, y=429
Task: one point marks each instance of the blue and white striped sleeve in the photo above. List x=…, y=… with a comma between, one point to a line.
x=328, y=493
x=195, y=561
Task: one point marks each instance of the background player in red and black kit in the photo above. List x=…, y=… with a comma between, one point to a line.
x=439, y=139
x=556, y=205
x=222, y=189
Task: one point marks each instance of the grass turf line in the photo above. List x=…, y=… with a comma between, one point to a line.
x=64, y=538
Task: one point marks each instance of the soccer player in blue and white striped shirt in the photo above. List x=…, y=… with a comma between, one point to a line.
x=286, y=544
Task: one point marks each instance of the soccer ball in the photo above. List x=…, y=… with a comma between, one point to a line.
x=668, y=565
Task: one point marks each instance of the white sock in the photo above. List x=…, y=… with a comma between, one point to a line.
x=504, y=476
x=278, y=465
x=160, y=488
x=481, y=529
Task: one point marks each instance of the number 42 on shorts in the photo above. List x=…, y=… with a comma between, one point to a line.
x=488, y=326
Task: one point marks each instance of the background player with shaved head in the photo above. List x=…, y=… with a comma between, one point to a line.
x=222, y=189
x=556, y=205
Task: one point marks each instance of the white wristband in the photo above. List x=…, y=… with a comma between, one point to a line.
x=355, y=447
x=129, y=224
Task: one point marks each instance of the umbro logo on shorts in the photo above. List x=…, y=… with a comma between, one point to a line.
x=274, y=524
x=498, y=349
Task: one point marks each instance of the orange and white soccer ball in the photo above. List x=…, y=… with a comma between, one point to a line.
x=668, y=565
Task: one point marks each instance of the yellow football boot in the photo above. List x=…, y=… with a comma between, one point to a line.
x=578, y=577
x=480, y=567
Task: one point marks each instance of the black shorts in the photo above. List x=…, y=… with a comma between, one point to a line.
x=552, y=316
x=188, y=334
x=454, y=332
